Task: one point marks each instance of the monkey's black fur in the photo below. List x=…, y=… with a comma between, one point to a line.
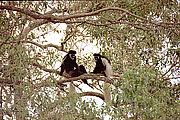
x=71, y=67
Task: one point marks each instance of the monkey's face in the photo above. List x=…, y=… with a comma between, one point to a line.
x=96, y=58
x=72, y=56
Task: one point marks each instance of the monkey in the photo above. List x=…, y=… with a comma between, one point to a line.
x=103, y=66
x=70, y=68
x=69, y=65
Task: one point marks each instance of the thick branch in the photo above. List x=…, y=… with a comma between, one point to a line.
x=32, y=26
x=63, y=18
x=31, y=13
x=59, y=82
x=85, y=76
x=36, y=23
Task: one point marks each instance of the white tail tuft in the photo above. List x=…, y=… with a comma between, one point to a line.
x=108, y=72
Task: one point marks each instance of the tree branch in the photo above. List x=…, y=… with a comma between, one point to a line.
x=45, y=46
x=33, y=25
x=45, y=69
x=8, y=81
x=36, y=44
x=99, y=95
x=86, y=76
x=63, y=18
x=36, y=15
x=31, y=13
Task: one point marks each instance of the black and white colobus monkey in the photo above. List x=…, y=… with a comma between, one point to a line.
x=70, y=67
x=103, y=66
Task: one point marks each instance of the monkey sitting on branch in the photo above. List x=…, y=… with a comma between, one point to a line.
x=70, y=68
x=103, y=66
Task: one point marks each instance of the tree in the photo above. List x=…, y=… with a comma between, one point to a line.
x=140, y=37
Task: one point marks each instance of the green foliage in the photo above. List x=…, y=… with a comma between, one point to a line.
x=144, y=96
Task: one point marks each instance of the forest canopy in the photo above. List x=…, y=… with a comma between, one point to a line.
x=140, y=37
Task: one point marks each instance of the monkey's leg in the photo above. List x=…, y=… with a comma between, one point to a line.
x=82, y=70
x=77, y=73
x=74, y=73
x=107, y=93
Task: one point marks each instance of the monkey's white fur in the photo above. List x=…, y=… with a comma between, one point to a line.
x=108, y=70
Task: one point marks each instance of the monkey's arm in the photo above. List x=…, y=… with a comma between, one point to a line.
x=76, y=66
x=62, y=69
x=95, y=70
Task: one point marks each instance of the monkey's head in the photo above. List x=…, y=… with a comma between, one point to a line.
x=96, y=56
x=72, y=54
